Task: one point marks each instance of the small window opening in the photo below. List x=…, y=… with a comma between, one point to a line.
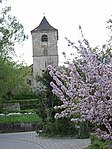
x=44, y=38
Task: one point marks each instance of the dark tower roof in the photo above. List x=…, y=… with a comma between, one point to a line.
x=44, y=26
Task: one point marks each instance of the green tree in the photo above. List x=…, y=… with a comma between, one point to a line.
x=11, y=32
x=12, y=75
x=12, y=78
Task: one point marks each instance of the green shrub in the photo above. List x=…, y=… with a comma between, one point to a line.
x=97, y=143
x=49, y=129
x=61, y=127
x=25, y=95
x=83, y=130
x=1, y=110
x=65, y=127
x=28, y=103
x=39, y=125
x=25, y=103
x=41, y=110
x=19, y=118
x=27, y=111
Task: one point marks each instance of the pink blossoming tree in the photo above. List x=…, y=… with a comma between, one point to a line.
x=85, y=88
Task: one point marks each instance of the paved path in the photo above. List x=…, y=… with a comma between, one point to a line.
x=30, y=140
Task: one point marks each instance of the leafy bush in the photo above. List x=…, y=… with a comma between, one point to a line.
x=49, y=129
x=24, y=104
x=65, y=127
x=97, y=143
x=28, y=104
x=61, y=127
x=19, y=118
x=1, y=109
x=83, y=130
x=25, y=95
x=27, y=111
x=41, y=110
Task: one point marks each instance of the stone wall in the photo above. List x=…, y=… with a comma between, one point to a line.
x=11, y=106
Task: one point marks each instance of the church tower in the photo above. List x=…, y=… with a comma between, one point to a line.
x=45, y=50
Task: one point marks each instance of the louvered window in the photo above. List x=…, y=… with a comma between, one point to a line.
x=44, y=38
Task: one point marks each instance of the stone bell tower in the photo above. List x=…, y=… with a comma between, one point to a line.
x=45, y=51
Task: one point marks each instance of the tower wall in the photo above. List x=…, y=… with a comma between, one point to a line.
x=37, y=44
x=45, y=50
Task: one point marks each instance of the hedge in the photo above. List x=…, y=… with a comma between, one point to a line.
x=24, y=104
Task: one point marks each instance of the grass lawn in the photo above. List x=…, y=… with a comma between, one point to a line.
x=19, y=118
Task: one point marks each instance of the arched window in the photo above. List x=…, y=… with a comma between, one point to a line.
x=44, y=38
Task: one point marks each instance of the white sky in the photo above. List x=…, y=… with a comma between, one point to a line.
x=66, y=16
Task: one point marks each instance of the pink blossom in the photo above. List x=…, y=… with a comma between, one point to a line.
x=85, y=89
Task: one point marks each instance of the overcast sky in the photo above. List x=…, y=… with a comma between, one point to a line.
x=66, y=16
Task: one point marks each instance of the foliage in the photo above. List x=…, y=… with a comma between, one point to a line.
x=12, y=75
x=25, y=94
x=12, y=78
x=1, y=110
x=47, y=99
x=49, y=129
x=65, y=127
x=85, y=90
x=25, y=105
x=61, y=127
x=41, y=109
x=45, y=109
x=28, y=104
x=11, y=32
x=97, y=143
x=84, y=131
x=19, y=118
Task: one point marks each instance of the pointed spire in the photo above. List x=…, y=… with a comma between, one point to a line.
x=44, y=26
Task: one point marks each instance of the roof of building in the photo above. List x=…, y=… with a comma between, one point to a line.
x=44, y=26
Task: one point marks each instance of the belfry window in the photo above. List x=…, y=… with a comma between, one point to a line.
x=44, y=38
